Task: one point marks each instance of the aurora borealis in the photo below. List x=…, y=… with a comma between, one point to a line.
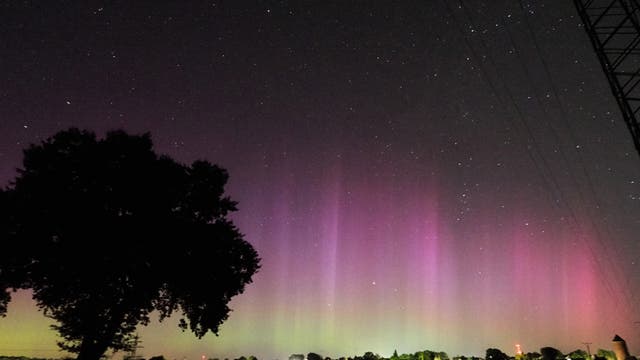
x=416, y=175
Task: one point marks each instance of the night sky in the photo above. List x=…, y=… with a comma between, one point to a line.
x=445, y=175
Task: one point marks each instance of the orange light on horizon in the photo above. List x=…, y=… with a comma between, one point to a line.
x=518, y=349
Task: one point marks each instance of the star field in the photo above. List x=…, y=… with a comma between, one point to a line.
x=444, y=175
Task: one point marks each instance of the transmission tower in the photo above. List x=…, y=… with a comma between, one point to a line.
x=613, y=27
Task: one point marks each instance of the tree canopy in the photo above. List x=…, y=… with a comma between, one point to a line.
x=550, y=353
x=104, y=231
x=495, y=354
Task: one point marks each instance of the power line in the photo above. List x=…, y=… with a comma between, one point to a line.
x=629, y=294
x=542, y=165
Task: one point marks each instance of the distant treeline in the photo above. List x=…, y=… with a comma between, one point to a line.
x=546, y=353
x=24, y=358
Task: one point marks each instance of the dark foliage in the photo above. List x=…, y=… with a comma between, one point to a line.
x=578, y=354
x=550, y=353
x=495, y=354
x=104, y=231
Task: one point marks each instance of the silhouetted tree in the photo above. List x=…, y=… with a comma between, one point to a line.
x=104, y=231
x=607, y=354
x=159, y=357
x=314, y=356
x=495, y=354
x=533, y=355
x=578, y=354
x=368, y=356
x=550, y=353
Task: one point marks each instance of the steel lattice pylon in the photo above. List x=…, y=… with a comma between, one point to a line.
x=614, y=29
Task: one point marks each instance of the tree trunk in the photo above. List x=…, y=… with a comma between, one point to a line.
x=95, y=344
x=91, y=349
